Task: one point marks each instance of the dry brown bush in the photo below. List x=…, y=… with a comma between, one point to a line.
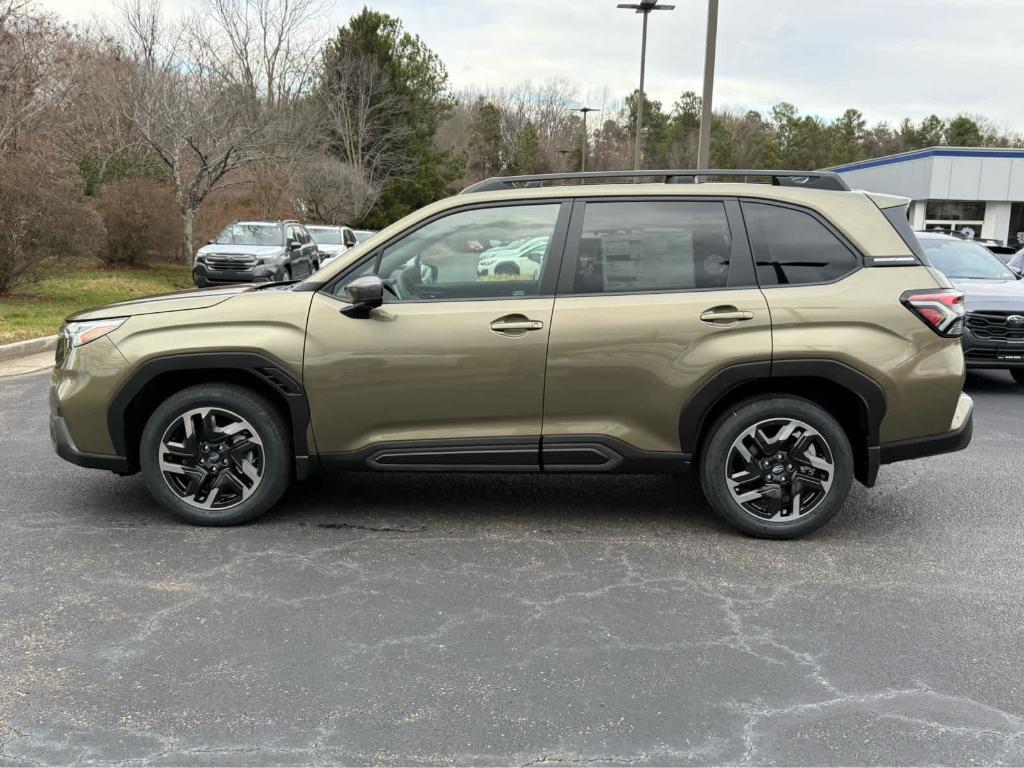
x=142, y=222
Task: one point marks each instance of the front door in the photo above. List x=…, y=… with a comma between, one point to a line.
x=655, y=297
x=449, y=372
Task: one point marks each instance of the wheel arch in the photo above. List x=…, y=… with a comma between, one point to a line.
x=157, y=379
x=853, y=398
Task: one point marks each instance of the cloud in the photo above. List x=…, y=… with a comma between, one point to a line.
x=888, y=59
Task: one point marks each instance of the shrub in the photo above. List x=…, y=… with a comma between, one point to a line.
x=142, y=222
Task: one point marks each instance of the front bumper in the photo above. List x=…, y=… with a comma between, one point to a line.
x=988, y=353
x=201, y=274
x=958, y=437
x=65, y=446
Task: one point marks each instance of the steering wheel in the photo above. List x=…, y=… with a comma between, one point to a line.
x=409, y=280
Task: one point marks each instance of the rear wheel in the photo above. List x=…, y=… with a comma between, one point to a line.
x=777, y=468
x=1018, y=375
x=216, y=454
x=507, y=268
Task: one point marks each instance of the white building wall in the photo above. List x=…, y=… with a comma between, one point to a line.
x=997, y=221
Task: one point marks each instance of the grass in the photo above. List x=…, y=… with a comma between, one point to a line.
x=38, y=309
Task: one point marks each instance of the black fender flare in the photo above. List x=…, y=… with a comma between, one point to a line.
x=715, y=389
x=266, y=369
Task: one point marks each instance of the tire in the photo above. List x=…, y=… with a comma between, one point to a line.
x=1018, y=375
x=506, y=268
x=239, y=444
x=765, y=507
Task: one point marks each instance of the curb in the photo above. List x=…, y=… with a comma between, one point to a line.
x=30, y=347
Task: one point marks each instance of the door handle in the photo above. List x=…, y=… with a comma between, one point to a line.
x=515, y=325
x=721, y=315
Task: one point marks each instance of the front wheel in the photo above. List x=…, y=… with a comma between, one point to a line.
x=216, y=454
x=777, y=468
x=1018, y=375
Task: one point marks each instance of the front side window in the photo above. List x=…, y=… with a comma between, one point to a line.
x=244, y=233
x=653, y=246
x=792, y=247
x=479, y=253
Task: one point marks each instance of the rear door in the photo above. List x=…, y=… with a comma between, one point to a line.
x=655, y=296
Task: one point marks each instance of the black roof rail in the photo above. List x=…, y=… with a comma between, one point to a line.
x=804, y=179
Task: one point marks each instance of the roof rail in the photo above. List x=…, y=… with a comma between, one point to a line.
x=804, y=179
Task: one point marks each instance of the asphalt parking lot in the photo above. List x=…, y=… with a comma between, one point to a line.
x=409, y=619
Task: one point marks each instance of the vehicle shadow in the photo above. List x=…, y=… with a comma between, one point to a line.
x=991, y=381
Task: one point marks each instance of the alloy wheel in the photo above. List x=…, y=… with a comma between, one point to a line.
x=211, y=458
x=779, y=469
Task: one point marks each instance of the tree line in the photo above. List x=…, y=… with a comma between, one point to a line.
x=137, y=139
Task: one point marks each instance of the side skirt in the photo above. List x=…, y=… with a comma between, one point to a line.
x=564, y=454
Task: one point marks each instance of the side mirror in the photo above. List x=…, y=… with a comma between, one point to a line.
x=350, y=240
x=364, y=294
x=293, y=244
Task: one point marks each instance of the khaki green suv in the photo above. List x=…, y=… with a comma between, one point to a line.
x=779, y=339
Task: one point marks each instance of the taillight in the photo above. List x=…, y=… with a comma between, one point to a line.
x=941, y=310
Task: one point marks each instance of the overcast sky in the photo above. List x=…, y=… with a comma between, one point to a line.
x=888, y=58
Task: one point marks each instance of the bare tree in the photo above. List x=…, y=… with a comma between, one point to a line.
x=332, y=191
x=268, y=47
x=199, y=124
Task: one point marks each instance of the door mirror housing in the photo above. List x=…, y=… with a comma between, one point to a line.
x=349, y=240
x=293, y=244
x=364, y=294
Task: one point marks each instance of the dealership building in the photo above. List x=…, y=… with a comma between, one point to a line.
x=952, y=188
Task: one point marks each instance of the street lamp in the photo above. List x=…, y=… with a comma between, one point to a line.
x=704, y=145
x=584, y=110
x=645, y=7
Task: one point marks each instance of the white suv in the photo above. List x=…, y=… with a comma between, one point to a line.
x=520, y=257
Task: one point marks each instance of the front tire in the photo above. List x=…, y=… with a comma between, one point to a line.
x=1018, y=375
x=216, y=454
x=507, y=269
x=777, y=468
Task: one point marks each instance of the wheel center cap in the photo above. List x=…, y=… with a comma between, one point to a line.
x=778, y=469
x=213, y=456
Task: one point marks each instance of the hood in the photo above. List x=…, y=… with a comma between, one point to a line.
x=170, y=302
x=991, y=295
x=240, y=250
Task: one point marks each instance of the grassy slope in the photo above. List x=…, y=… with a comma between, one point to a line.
x=38, y=309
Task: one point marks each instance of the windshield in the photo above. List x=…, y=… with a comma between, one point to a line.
x=325, y=235
x=364, y=234
x=251, y=234
x=964, y=260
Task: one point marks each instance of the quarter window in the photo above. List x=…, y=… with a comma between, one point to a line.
x=792, y=247
x=653, y=246
x=480, y=253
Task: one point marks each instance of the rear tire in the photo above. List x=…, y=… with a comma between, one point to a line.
x=777, y=467
x=1018, y=375
x=507, y=269
x=216, y=454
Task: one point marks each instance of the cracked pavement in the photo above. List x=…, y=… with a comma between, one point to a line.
x=480, y=619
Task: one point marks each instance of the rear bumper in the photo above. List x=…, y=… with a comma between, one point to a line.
x=956, y=439
x=64, y=445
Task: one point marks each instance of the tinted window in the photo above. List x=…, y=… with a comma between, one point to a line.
x=472, y=254
x=793, y=248
x=653, y=246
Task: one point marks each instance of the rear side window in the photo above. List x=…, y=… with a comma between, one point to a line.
x=792, y=247
x=653, y=246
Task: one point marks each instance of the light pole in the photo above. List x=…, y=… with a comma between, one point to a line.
x=583, y=157
x=704, y=146
x=645, y=7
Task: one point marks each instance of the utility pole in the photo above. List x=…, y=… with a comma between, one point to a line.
x=645, y=7
x=586, y=136
x=704, y=147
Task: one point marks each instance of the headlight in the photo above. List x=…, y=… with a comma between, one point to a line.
x=83, y=332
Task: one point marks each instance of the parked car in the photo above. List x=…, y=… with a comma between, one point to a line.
x=255, y=252
x=998, y=248
x=758, y=334
x=331, y=241
x=521, y=257
x=993, y=299
x=362, y=235
x=1016, y=262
